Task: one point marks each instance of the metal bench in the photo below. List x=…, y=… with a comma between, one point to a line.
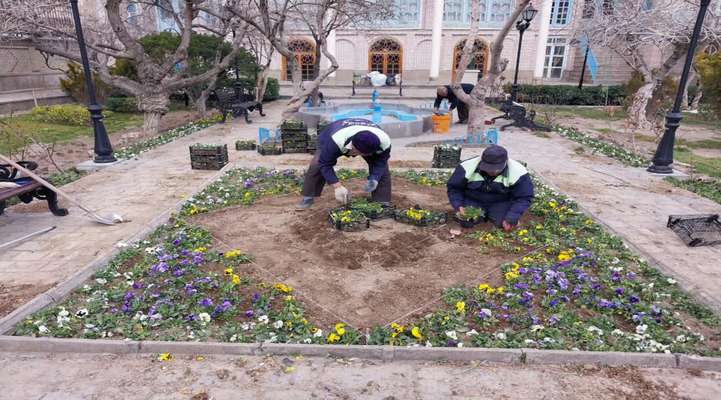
x=239, y=100
x=27, y=189
x=520, y=117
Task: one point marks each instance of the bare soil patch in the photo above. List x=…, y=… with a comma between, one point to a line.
x=13, y=296
x=366, y=278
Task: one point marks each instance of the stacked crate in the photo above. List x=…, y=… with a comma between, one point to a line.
x=294, y=137
x=446, y=156
x=212, y=157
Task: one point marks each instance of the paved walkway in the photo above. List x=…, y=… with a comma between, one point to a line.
x=631, y=202
x=75, y=377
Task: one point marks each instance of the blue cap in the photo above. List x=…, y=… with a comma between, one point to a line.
x=494, y=159
x=366, y=142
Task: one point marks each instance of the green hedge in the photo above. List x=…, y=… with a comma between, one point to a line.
x=122, y=104
x=272, y=90
x=63, y=114
x=569, y=95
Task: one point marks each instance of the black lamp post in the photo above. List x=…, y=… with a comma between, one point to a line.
x=103, y=148
x=663, y=158
x=583, y=69
x=237, y=84
x=522, y=24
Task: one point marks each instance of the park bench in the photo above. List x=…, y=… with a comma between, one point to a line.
x=27, y=189
x=363, y=81
x=517, y=113
x=239, y=101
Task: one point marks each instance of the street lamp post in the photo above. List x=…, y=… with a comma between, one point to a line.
x=583, y=69
x=522, y=24
x=663, y=158
x=103, y=148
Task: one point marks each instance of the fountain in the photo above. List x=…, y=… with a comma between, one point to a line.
x=397, y=120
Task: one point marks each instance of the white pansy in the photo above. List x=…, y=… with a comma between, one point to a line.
x=641, y=329
x=204, y=317
x=681, y=338
x=233, y=338
x=500, y=336
x=596, y=330
x=429, y=344
x=278, y=324
x=460, y=344
x=671, y=281
x=81, y=313
x=472, y=332
x=43, y=329
x=318, y=333
x=617, y=332
x=536, y=328
x=63, y=313
x=452, y=334
x=529, y=341
x=263, y=319
x=245, y=327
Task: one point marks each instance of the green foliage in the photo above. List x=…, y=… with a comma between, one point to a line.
x=626, y=157
x=74, y=84
x=569, y=95
x=63, y=114
x=710, y=166
x=709, y=69
x=122, y=104
x=708, y=188
x=272, y=90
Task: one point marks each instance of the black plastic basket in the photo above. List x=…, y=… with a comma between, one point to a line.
x=697, y=230
x=387, y=212
x=348, y=227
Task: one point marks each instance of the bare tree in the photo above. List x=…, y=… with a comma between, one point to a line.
x=113, y=37
x=638, y=31
x=476, y=100
x=262, y=50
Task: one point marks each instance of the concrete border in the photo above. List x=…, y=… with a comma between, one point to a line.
x=22, y=344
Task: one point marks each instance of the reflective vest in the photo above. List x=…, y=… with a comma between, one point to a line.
x=343, y=136
x=513, y=172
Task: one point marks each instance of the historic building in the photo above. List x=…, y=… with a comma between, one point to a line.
x=424, y=41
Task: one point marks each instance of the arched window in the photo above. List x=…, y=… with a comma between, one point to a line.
x=304, y=51
x=385, y=56
x=479, y=59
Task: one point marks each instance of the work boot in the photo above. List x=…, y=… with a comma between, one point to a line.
x=305, y=204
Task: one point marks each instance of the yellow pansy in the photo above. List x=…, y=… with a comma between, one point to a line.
x=523, y=232
x=511, y=275
x=565, y=255
x=228, y=271
x=233, y=254
x=483, y=286
x=397, y=328
x=283, y=287
x=416, y=332
x=236, y=279
x=340, y=328
x=500, y=290
x=200, y=250
x=165, y=357
x=552, y=204
x=333, y=338
x=461, y=306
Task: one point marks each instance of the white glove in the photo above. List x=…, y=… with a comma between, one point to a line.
x=342, y=194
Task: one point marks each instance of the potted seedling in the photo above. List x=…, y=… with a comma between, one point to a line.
x=471, y=217
x=349, y=220
x=245, y=145
x=419, y=216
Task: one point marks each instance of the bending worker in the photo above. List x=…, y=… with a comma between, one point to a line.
x=349, y=137
x=500, y=186
x=445, y=92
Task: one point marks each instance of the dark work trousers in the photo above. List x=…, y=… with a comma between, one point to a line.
x=314, y=183
x=462, y=110
x=494, y=212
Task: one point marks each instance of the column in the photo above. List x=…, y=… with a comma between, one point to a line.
x=542, y=37
x=436, y=39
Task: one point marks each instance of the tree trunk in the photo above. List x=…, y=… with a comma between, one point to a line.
x=261, y=83
x=153, y=105
x=685, y=103
x=201, y=102
x=639, y=105
x=697, y=99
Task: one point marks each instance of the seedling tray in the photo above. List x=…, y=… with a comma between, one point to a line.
x=241, y=145
x=372, y=212
x=270, y=149
x=445, y=156
x=208, y=157
x=431, y=219
x=357, y=225
x=697, y=230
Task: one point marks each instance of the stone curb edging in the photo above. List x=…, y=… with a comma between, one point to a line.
x=21, y=344
x=58, y=292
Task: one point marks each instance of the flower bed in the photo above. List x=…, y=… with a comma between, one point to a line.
x=626, y=157
x=136, y=149
x=572, y=286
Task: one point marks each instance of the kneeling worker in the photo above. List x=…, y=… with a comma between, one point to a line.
x=500, y=186
x=349, y=137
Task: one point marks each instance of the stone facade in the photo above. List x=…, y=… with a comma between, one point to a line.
x=552, y=27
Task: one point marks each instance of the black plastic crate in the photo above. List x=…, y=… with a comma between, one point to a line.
x=241, y=145
x=446, y=156
x=208, y=157
x=697, y=230
x=269, y=149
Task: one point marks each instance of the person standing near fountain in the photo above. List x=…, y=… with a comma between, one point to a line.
x=445, y=92
x=349, y=137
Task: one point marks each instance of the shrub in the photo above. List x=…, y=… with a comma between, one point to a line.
x=272, y=90
x=74, y=84
x=568, y=95
x=122, y=104
x=64, y=114
x=709, y=69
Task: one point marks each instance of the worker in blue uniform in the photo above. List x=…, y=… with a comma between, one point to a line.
x=499, y=185
x=349, y=137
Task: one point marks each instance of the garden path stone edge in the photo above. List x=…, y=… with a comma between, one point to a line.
x=18, y=344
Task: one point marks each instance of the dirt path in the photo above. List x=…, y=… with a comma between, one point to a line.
x=107, y=377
